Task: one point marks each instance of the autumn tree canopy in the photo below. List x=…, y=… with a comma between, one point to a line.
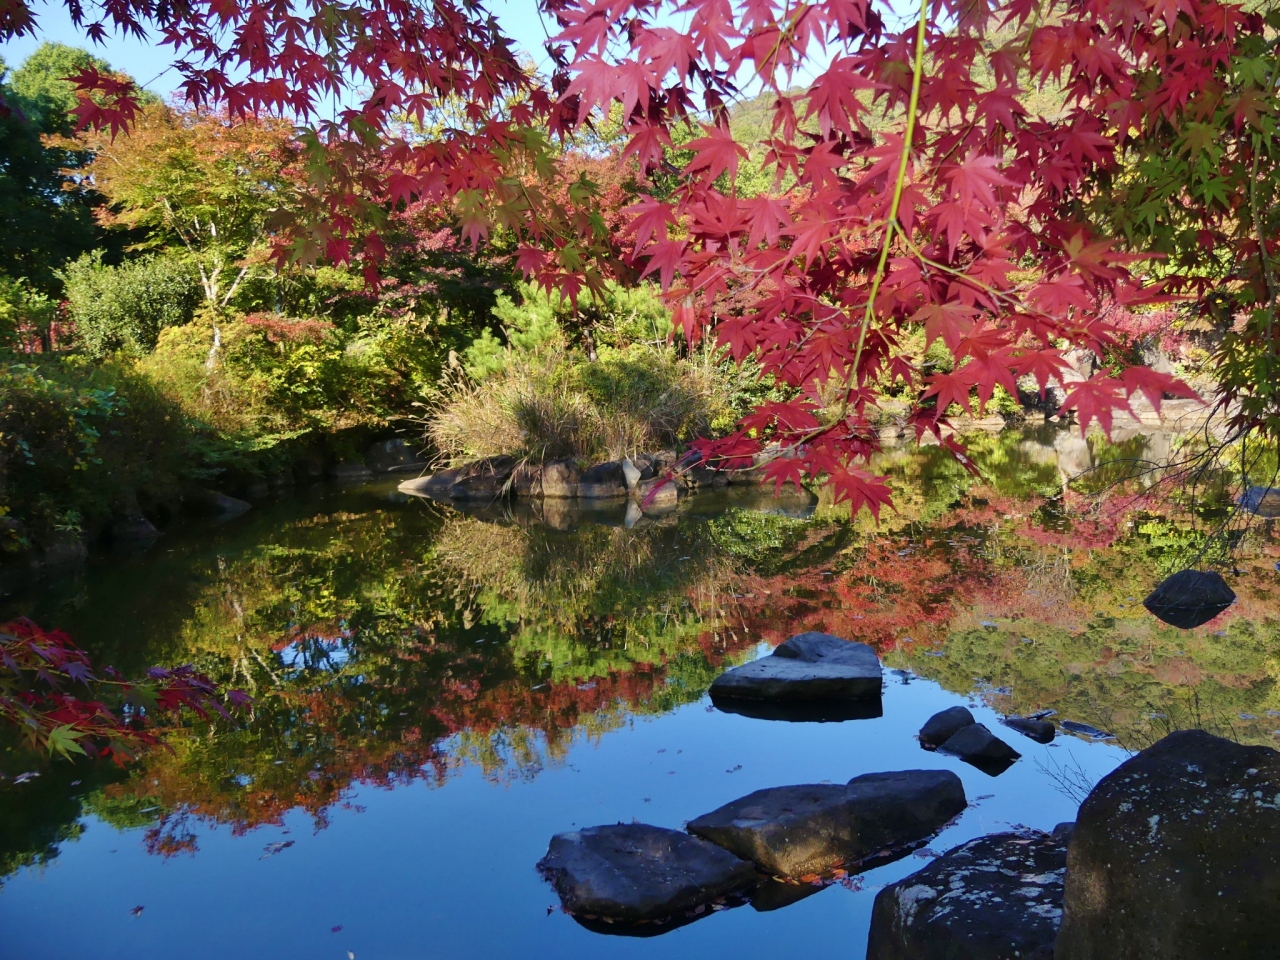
x=999, y=175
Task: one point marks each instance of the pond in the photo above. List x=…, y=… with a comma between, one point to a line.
x=438, y=693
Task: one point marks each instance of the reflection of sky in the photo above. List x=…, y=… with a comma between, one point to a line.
x=420, y=873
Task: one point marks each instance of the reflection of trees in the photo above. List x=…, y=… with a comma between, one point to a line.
x=1000, y=588
x=387, y=645
x=381, y=654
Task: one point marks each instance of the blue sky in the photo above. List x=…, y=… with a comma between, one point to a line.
x=149, y=64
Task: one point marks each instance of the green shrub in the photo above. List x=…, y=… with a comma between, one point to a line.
x=23, y=308
x=77, y=440
x=124, y=308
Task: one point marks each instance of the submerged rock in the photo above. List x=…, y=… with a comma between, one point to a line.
x=994, y=898
x=977, y=745
x=1190, y=598
x=1041, y=731
x=633, y=873
x=211, y=503
x=808, y=668
x=393, y=456
x=943, y=725
x=1176, y=856
x=814, y=828
x=350, y=470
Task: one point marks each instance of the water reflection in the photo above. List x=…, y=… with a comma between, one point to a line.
x=390, y=642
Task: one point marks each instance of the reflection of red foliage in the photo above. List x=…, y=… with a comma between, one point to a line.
x=39, y=669
x=476, y=697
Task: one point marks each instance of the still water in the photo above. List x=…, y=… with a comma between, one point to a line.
x=439, y=693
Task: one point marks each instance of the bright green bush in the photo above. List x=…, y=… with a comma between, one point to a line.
x=77, y=440
x=124, y=308
x=22, y=307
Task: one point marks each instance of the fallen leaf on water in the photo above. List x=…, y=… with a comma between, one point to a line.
x=336, y=929
x=271, y=849
x=137, y=911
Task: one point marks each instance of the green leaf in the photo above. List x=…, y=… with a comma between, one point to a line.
x=62, y=740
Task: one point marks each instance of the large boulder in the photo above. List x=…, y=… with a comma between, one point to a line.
x=943, y=725
x=1176, y=856
x=636, y=873
x=994, y=898
x=603, y=481
x=815, y=828
x=808, y=668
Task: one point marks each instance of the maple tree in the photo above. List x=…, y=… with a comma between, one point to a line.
x=913, y=187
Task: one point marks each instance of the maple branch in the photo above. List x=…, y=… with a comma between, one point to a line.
x=899, y=185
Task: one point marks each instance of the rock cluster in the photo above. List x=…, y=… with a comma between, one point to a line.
x=629, y=875
x=815, y=828
x=954, y=731
x=1175, y=855
x=648, y=478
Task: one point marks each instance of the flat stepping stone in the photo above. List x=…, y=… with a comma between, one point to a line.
x=636, y=873
x=808, y=668
x=812, y=829
x=994, y=898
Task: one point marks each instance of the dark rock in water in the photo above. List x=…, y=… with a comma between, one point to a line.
x=1084, y=730
x=1190, y=598
x=944, y=724
x=1176, y=856
x=815, y=828
x=802, y=711
x=211, y=503
x=707, y=477
x=1041, y=731
x=393, y=456
x=636, y=873
x=977, y=745
x=350, y=470
x=131, y=527
x=308, y=468
x=808, y=668
x=1261, y=501
x=994, y=898
x=602, y=481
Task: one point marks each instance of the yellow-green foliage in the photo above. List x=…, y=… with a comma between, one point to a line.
x=598, y=381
